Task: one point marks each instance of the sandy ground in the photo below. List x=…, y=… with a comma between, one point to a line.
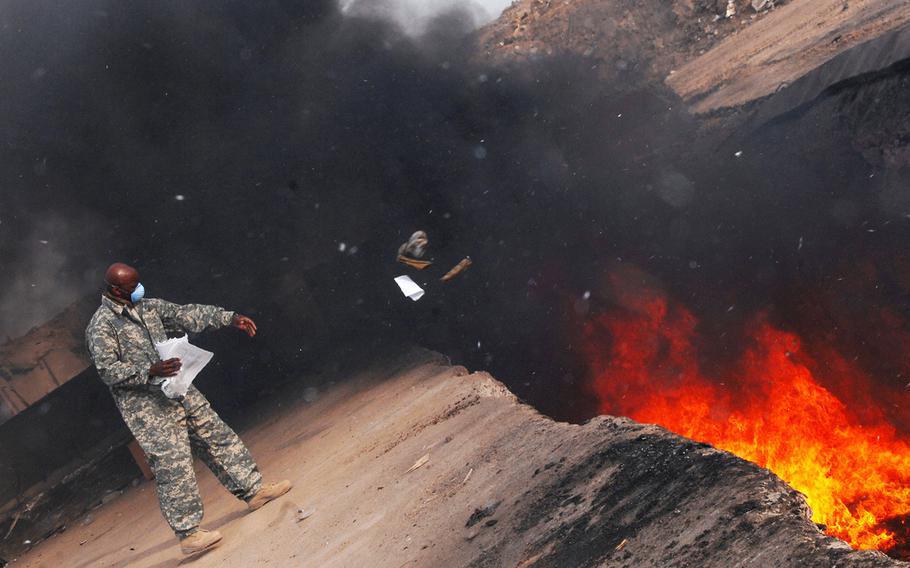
x=782, y=47
x=499, y=485
x=338, y=453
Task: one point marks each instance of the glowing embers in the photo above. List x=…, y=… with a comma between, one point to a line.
x=771, y=409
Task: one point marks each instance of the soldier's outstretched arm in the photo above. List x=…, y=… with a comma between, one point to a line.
x=105, y=353
x=192, y=318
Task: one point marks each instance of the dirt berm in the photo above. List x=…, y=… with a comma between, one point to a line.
x=501, y=486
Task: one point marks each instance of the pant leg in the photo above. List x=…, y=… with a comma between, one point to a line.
x=160, y=427
x=220, y=448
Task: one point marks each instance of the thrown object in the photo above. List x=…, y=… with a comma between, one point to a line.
x=409, y=288
x=413, y=262
x=412, y=251
x=457, y=269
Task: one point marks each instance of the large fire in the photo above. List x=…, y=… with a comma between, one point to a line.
x=772, y=409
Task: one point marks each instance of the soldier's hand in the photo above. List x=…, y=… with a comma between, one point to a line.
x=244, y=323
x=167, y=368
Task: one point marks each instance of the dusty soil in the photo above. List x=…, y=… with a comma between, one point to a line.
x=782, y=47
x=712, y=62
x=629, y=41
x=500, y=485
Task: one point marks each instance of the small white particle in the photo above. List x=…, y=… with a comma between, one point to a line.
x=179, y=197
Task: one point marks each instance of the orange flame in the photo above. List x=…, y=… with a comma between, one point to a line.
x=854, y=469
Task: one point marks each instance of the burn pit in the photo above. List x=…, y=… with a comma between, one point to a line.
x=555, y=182
x=800, y=410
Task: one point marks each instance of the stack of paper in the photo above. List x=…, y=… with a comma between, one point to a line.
x=193, y=358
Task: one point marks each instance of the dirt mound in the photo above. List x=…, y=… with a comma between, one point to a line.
x=417, y=463
x=629, y=40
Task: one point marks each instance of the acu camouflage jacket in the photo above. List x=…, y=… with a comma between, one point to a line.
x=121, y=340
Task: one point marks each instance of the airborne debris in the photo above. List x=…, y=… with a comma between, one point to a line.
x=409, y=288
x=415, y=246
x=457, y=269
x=412, y=251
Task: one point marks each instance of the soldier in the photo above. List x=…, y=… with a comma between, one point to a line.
x=121, y=339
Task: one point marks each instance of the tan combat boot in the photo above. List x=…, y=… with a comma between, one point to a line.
x=199, y=541
x=269, y=492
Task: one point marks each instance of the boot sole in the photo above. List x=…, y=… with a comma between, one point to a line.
x=285, y=492
x=200, y=550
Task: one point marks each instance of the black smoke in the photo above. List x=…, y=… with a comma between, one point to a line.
x=271, y=157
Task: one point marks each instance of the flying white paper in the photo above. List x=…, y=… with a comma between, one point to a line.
x=193, y=359
x=409, y=288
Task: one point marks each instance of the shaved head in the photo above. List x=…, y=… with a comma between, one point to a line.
x=121, y=275
x=121, y=279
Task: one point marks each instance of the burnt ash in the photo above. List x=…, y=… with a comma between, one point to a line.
x=640, y=496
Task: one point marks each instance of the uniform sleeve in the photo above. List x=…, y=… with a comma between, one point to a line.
x=105, y=353
x=191, y=318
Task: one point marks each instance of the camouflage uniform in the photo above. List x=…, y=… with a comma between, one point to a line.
x=121, y=342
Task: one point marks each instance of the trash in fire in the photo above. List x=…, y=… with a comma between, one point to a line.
x=457, y=269
x=411, y=252
x=409, y=288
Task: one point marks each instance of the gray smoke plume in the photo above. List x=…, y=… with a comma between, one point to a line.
x=272, y=156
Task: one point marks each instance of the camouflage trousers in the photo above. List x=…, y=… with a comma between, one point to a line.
x=170, y=432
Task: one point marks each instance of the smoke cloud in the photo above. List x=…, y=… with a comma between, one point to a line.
x=271, y=157
x=414, y=16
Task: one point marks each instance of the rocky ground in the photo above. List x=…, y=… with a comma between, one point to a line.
x=778, y=50
x=632, y=41
x=417, y=463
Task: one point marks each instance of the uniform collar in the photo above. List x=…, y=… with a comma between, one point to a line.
x=115, y=307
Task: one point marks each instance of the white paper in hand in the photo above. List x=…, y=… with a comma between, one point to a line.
x=409, y=288
x=193, y=358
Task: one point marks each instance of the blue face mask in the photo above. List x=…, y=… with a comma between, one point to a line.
x=138, y=293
